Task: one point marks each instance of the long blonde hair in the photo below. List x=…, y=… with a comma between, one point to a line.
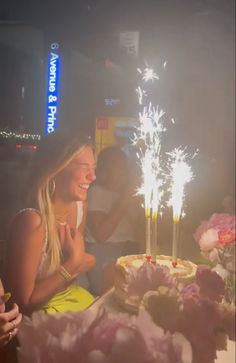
x=55, y=152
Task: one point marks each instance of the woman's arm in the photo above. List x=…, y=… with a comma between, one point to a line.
x=24, y=254
x=103, y=224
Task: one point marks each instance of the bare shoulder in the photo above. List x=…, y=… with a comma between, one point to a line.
x=28, y=220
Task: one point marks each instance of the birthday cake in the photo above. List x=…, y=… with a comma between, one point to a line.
x=134, y=276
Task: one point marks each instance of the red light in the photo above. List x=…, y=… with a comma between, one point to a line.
x=19, y=146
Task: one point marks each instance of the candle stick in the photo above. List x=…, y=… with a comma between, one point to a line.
x=148, y=234
x=148, y=136
x=181, y=174
x=154, y=240
x=154, y=223
x=175, y=241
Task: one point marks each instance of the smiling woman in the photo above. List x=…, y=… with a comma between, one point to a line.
x=45, y=247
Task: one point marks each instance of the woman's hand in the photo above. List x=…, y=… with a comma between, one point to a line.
x=9, y=322
x=87, y=263
x=73, y=245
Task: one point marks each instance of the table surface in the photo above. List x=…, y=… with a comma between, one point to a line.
x=109, y=303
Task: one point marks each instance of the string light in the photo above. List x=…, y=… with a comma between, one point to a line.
x=18, y=135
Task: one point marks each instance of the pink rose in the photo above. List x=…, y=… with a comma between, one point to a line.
x=208, y=240
x=218, y=221
x=226, y=237
x=146, y=278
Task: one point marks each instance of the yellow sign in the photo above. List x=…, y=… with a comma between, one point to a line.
x=114, y=130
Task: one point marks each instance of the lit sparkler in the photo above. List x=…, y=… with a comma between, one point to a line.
x=141, y=93
x=149, y=136
x=149, y=75
x=180, y=174
x=149, y=133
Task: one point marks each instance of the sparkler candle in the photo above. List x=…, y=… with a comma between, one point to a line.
x=152, y=182
x=149, y=133
x=154, y=225
x=147, y=190
x=148, y=234
x=180, y=174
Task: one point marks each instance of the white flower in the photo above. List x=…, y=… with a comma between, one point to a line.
x=209, y=240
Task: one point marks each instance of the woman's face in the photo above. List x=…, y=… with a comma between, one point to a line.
x=73, y=182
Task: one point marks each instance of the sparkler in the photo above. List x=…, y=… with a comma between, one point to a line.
x=180, y=174
x=149, y=133
x=148, y=74
x=149, y=136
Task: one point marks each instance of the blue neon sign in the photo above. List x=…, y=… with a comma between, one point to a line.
x=52, y=89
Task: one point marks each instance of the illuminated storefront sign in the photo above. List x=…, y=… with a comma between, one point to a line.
x=52, y=89
x=112, y=130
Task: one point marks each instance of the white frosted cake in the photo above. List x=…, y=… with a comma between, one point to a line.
x=184, y=270
x=134, y=276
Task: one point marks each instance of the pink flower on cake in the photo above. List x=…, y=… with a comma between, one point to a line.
x=149, y=277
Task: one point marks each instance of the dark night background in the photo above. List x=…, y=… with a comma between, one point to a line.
x=195, y=37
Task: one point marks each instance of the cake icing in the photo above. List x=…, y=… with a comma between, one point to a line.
x=134, y=276
x=182, y=271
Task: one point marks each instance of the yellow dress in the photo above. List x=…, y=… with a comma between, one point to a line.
x=74, y=298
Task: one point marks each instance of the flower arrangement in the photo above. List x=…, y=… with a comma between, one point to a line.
x=216, y=238
x=197, y=311
x=97, y=337
x=146, y=278
x=176, y=323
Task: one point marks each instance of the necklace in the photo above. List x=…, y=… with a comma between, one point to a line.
x=67, y=216
x=64, y=216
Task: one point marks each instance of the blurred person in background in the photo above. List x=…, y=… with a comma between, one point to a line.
x=113, y=223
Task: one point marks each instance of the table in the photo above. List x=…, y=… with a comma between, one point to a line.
x=109, y=303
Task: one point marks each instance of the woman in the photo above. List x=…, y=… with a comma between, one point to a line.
x=45, y=247
x=112, y=226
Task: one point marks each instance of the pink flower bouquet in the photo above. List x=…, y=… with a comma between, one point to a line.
x=196, y=310
x=216, y=235
x=96, y=337
x=176, y=323
x=216, y=238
